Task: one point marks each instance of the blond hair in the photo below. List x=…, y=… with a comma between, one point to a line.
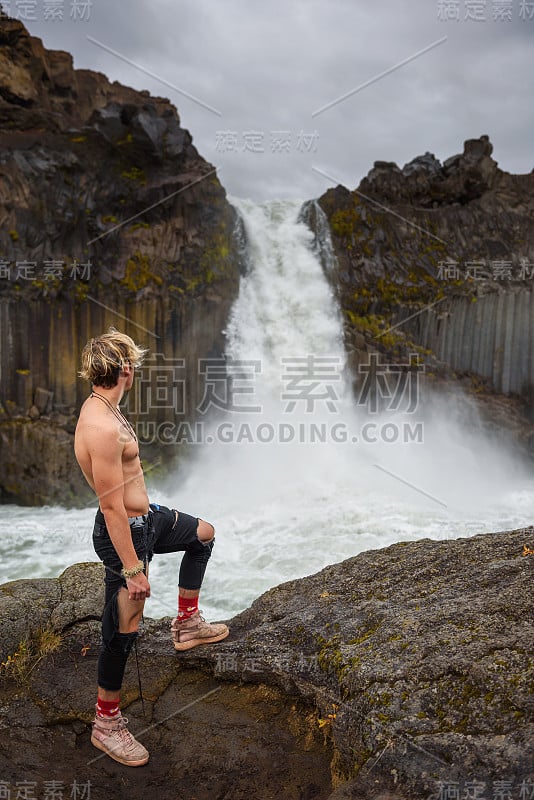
x=104, y=356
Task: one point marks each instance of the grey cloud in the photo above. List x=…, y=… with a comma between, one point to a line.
x=268, y=66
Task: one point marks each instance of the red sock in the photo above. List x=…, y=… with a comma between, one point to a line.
x=187, y=606
x=107, y=708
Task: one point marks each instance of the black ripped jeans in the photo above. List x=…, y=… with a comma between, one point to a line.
x=160, y=532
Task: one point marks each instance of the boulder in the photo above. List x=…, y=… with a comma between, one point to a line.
x=30, y=606
x=389, y=676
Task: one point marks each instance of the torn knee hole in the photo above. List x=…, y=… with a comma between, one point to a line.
x=205, y=531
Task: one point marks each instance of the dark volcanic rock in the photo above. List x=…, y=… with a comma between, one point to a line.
x=109, y=217
x=438, y=259
x=425, y=182
x=37, y=462
x=56, y=604
x=390, y=675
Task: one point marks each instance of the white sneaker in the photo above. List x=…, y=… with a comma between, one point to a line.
x=111, y=735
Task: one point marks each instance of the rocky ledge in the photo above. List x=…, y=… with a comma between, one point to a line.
x=402, y=673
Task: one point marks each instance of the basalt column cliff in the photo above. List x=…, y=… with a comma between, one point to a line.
x=437, y=259
x=109, y=216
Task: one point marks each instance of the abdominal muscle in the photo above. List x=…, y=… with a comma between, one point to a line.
x=135, y=494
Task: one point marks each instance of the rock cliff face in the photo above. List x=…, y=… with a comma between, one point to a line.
x=391, y=676
x=440, y=256
x=109, y=216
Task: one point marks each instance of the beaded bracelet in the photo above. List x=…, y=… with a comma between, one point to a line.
x=131, y=573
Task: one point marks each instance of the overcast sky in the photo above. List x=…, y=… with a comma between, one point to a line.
x=268, y=67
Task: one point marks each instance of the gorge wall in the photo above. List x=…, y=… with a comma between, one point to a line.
x=108, y=216
x=439, y=259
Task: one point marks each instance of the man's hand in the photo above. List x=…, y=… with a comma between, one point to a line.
x=138, y=587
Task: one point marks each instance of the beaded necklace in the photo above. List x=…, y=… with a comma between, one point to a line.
x=117, y=413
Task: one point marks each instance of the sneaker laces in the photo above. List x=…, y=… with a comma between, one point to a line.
x=123, y=733
x=119, y=729
x=176, y=622
x=178, y=627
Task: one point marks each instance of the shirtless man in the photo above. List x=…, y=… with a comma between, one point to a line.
x=128, y=530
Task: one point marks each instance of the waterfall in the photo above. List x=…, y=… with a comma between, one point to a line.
x=285, y=307
x=286, y=492
x=283, y=468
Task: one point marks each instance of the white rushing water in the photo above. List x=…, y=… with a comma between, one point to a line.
x=285, y=495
